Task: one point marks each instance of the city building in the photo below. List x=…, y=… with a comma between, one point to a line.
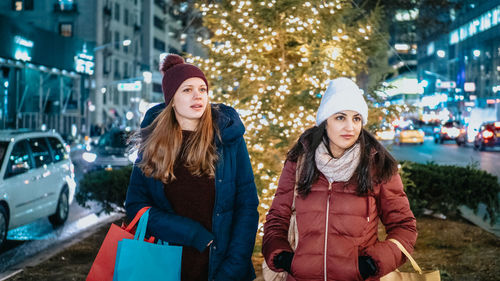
x=129, y=37
x=44, y=78
x=403, y=40
x=401, y=84
x=58, y=16
x=161, y=34
x=116, y=28
x=460, y=69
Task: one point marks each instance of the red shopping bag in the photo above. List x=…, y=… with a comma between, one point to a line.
x=104, y=263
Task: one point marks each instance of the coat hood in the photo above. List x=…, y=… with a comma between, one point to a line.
x=227, y=119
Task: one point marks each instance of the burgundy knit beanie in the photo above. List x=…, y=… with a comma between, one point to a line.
x=175, y=71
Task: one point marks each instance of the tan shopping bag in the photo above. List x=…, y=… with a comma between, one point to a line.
x=419, y=275
x=293, y=235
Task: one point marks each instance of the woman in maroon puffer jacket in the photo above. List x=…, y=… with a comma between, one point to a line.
x=348, y=181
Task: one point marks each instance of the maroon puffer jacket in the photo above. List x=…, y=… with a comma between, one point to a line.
x=329, y=246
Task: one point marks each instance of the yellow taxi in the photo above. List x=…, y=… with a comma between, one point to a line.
x=409, y=134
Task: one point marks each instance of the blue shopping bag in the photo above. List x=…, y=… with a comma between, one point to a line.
x=140, y=260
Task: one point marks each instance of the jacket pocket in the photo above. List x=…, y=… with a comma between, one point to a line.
x=307, y=266
x=356, y=265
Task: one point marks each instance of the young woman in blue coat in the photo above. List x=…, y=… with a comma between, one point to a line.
x=194, y=171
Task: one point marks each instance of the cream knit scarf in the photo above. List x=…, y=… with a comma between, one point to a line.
x=340, y=169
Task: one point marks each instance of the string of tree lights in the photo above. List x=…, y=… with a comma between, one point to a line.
x=272, y=61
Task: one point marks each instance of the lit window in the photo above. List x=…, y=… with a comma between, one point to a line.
x=22, y=5
x=66, y=29
x=19, y=5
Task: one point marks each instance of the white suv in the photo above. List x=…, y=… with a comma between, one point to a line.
x=36, y=179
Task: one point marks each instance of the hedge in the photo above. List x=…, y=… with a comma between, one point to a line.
x=107, y=188
x=443, y=188
x=439, y=188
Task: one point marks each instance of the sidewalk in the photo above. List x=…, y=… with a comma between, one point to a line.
x=460, y=250
x=72, y=262
x=478, y=219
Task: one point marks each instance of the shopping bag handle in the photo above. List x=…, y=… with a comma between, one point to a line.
x=136, y=218
x=141, y=227
x=413, y=262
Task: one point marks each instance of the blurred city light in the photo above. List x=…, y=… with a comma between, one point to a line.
x=22, y=55
x=74, y=130
x=89, y=157
x=129, y=87
x=133, y=156
x=129, y=115
x=148, y=77
x=402, y=47
x=470, y=87
x=162, y=56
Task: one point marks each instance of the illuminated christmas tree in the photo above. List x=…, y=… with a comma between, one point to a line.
x=272, y=60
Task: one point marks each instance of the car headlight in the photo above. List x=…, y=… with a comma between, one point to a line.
x=89, y=156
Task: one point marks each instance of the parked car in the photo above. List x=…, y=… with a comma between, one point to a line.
x=36, y=179
x=488, y=136
x=409, y=134
x=110, y=152
x=451, y=131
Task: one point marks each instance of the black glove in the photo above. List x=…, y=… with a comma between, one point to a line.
x=284, y=261
x=366, y=266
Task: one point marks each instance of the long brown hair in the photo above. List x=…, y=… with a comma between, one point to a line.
x=161, y=145
x=381, y=163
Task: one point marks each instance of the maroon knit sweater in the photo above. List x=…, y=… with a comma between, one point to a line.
x=192, y=197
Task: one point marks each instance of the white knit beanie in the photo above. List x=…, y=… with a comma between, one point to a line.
x=342, y=94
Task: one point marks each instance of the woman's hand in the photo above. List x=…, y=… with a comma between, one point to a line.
x=284, y=261
x=366, y=266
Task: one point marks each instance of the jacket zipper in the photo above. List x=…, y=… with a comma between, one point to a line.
x=217, y=179
x=326, y=226
x=213, y=243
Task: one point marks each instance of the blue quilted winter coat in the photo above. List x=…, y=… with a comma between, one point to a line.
x=235, y=216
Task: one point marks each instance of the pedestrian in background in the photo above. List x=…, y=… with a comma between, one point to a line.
x=347, y=183
x=194, y=171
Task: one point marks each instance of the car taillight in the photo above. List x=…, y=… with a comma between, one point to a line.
x=487, y=134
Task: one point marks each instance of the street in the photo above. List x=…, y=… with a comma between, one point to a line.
x=448, y=153
x=452, y=154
